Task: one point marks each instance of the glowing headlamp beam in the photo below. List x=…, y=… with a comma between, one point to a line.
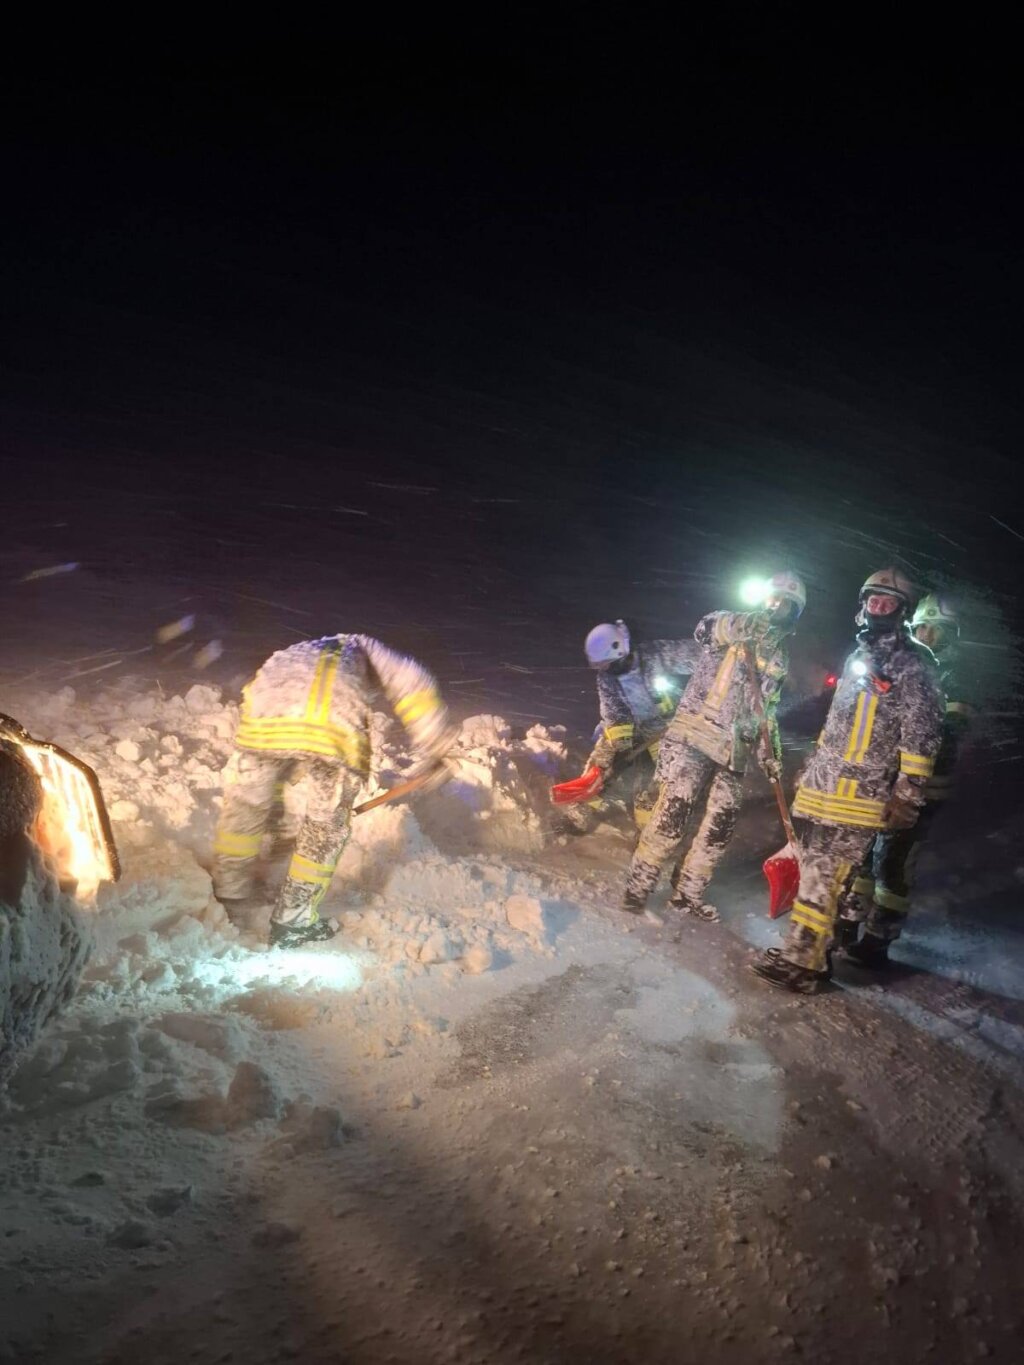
x=753, y=591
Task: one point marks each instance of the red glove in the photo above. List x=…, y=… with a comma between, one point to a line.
x=583, y=788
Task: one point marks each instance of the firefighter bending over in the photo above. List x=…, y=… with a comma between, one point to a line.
x=704, y=753
x=638, y=689
x=312, y=703
x=869, y=773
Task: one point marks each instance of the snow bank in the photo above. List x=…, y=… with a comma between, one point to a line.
x=420, y=888
x=42, y=950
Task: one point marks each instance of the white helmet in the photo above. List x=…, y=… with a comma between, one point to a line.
x=935, y=610
x=789, y=587
x=606, y=644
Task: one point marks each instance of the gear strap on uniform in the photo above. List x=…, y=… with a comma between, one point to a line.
x=782, y=869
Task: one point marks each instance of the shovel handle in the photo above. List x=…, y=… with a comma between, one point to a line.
x=392, y=794
x=757, y=703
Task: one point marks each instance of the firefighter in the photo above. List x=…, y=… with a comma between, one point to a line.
x=705, y=750
x=868, y=774
x=311, y=703
x=879, y=896
x=638, y=689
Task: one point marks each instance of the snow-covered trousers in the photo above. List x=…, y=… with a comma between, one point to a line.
x=693, y=787
x=878, y=893
x=251, y=784
x=828, y=855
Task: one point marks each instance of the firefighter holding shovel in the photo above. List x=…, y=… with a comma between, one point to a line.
x=705, y=751
x=869, y=772
x=638, y=689
x=312, y=703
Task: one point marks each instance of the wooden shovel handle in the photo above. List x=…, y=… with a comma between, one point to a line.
x=392, y=794
x=757, y=703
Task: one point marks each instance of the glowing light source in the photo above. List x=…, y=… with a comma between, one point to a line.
x=662, y=684
x=72, y=827
x=753, y=591
x=858, y=668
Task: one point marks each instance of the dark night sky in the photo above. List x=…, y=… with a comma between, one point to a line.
x=616, y=344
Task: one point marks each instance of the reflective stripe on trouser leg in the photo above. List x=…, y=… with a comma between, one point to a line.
x=682, y=783
x=895, y=864
x=828, y=854
x=249, y=781
x=330, y=791
x=856, y=896
x=717, y=826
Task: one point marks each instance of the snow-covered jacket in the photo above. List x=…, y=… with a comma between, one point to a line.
x=317, y=697
x=637, y=705
x=881, y=736
x=715, y=714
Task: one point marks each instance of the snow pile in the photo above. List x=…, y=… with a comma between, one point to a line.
x=42, y=950
x=419, y=889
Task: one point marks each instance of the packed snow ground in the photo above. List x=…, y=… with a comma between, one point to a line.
x=490, y=1120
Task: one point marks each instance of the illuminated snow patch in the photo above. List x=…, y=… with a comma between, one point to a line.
x=331, y=971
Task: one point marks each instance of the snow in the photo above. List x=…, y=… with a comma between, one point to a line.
x=490, y=1119
x=43, y=945
x=165, y=956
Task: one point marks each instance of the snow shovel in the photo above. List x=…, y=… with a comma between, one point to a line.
x=591, y=783
x=402, y=789
x=782, y=869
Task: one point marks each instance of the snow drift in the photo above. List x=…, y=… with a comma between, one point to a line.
x=419, y=888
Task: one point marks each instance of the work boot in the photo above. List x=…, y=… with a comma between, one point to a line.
x=284, y=935
x=871, y=951
x=846, y=932
x=685, y=906
x=634, y=902
x=824, y=975
x=779, y=971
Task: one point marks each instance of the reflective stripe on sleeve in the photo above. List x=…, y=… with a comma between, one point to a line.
x=916, y=765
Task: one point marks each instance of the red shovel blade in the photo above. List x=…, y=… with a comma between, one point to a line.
x=783, y=872
x=583, y=788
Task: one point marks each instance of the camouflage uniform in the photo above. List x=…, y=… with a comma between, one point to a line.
x=636, y=706
x=312, y=704
x=879, y=894
x=874, y=757
x=704, y=754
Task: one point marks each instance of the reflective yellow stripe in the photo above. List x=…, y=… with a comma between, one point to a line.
x=863, y=886
x=858, y=812
x=287, y=734
x=863, y=724
x=858, y=717
x=417, y=705
x=722, y=631
x=613, y=733
x=313, y=701
x=719, y=688
x=811, y=919
x=889, y=900
x=330, y=672
x=302, y=869
x=958, y=708
x=654, y=749
x=916, y=765
x=846, y=787
x=236, y=845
